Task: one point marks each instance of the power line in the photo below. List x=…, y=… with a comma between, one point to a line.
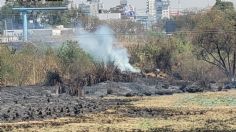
x=188, y=32
x=153, y=34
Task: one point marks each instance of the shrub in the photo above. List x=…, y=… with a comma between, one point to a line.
x=73, y=61
x=6, y=67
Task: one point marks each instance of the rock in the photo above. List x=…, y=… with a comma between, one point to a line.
x=165, y=86
x=174, y=87
x=129, y=94
x=177, y=76
x=229, y=85
x=164, y=92
x=147, y=93
x=109, y=91
x=193, y=88
x=162, y=85
x=215, y=86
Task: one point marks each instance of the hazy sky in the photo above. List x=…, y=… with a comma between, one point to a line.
x=141, y=4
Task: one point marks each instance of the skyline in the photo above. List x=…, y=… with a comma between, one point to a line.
x=140, y=5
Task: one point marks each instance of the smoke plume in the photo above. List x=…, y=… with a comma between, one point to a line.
x=101, y=46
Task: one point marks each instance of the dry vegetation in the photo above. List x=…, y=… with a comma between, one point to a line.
x=178, y=54
x=179, y=112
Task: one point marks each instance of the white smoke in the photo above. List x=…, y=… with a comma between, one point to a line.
x=101, y=46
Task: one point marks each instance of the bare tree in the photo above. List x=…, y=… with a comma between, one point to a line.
x=215, y=40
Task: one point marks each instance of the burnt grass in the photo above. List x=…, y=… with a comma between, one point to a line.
x=36, y=103
x=42, y=102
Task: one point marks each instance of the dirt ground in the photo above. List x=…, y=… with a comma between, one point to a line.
x=209, y=111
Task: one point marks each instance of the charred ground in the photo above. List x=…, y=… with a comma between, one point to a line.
x=42, y=102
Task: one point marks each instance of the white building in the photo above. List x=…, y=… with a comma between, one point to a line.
x=2, y=3
x=109, y=16
x=36, y=35
x=123, y=2
x=151, y=10
x=91, y=7
x=158, y=9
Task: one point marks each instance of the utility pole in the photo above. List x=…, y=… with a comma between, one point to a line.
x=5, y=32
x=25, y=26
x=5, y=24
x=178, y=7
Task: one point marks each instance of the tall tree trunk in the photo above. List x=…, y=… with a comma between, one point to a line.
x=234, y=64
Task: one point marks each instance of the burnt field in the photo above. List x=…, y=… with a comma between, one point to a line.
x=40, y=111
x=124, y=97
x=43, y=102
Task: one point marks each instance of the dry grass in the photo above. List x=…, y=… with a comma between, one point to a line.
x=189, y=112
x=199, y=100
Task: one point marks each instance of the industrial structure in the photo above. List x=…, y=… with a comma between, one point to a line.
x=24, y=8
x=25, y=11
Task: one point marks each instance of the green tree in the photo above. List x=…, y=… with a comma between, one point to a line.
x=223, y=5
x=186, y=22
x=35, y=3
x=72, y=59
x=6, y=13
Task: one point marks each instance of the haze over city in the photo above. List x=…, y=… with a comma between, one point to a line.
x=140, y=5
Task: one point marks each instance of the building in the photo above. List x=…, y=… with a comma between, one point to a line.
x=126, y=11
x=151, y=10
x=170, y=27
x=175, y=12
x=2, y=3
x=142, y=19
x=123, y=2
x=85, y=9
x=158, y=9
x=91, y=7
x=37, y=35
x=109, y=16
x=95, y=8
